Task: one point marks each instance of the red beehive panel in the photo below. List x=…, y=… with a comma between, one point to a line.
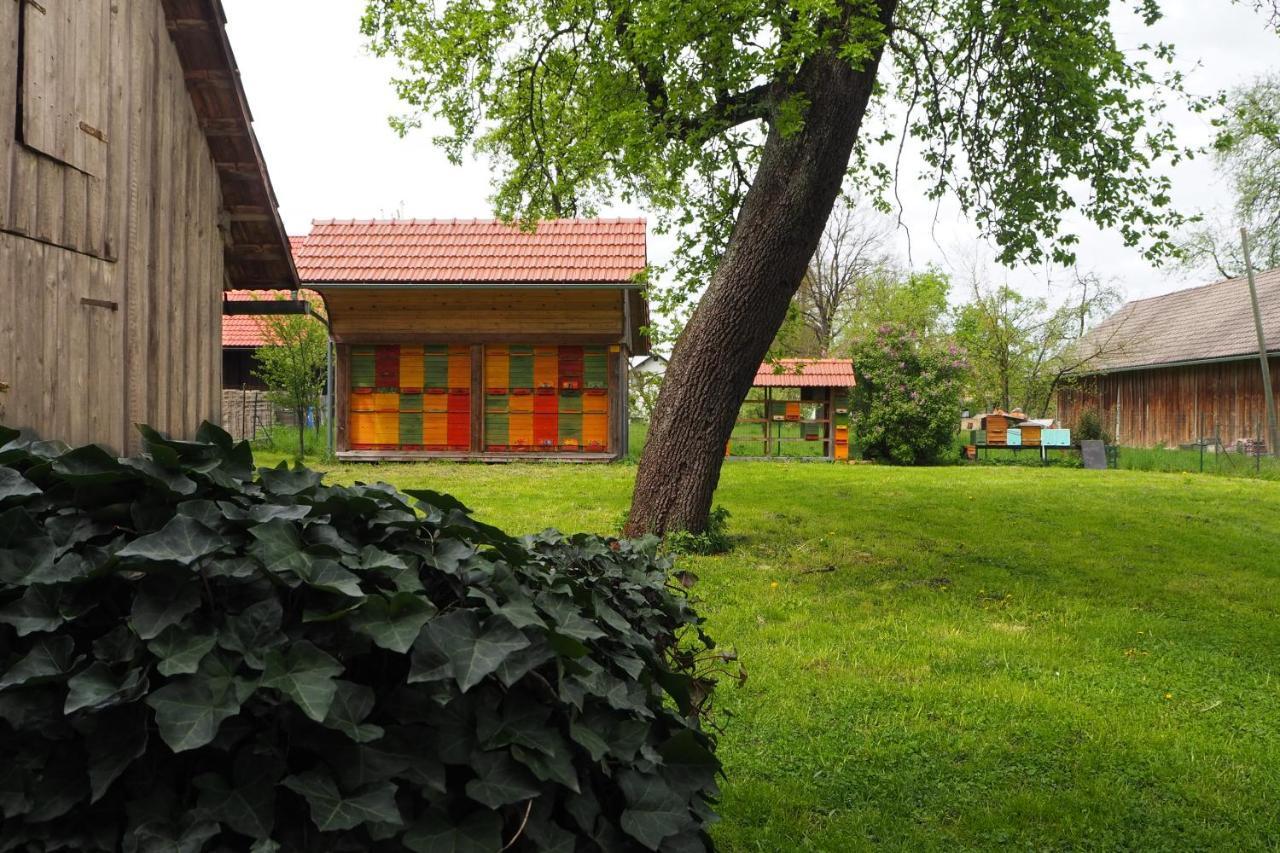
x=459, y=430
x=546, y=404
x=545, y=431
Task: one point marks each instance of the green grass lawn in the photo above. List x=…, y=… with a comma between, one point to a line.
x=971, y=657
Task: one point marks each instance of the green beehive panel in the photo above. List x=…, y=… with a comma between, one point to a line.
x=411, y=428
x=520, y=367
x=570, y=426
x=496, y=428
x=570, y=403
x=363, y=368
x=595, y=368
x=496, y=403
x=410, y=402
x=435, y=367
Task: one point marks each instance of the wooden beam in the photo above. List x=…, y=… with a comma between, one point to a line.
x=264, y=307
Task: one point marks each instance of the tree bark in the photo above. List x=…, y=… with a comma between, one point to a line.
x=776, y=233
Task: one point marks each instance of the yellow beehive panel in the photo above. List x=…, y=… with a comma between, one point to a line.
x=595, y=404
x=520, y=428
x=364, y=403
x=497, y=367
x=520, y=404
x=386, y=401
x=411, y=372
x=595, y=432
x=435, y=428
x=546, y=367
x=386, y=428
x=362, y=431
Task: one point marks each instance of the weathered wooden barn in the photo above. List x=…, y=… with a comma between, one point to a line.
x=479, y=340
x=132, y=193
x=1178, y=368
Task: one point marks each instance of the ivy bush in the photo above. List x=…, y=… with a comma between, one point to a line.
x=906, y=405
x=195, y=655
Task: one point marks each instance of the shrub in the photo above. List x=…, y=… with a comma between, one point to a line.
x=907, y=400
x=714, y=539
x=195, y=655
x=1089, y=427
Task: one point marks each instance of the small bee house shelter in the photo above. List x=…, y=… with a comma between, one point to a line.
x=798, y=407
x=477, y=339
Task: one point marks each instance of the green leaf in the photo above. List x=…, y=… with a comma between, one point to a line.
x=352, y=703
x=39, y=609
x=279, y=548
x=120, y=737
x=331, y=811
x=567, y=618
x=247, y=803
x=393, y=622
x=282, y=481
x=254, y=631
x=329, y=576
x=182, y=540
x=500, y=780
x=50, y=659
x=15, y=487
x=97, y=687
x=181, y=649
x=470, y=651
x=306, y=675
x=90, y=465
x=654, y=811
x=478, y=832
x=588, y=739
x=162, y=601
x=26, y=551
x=189, y=711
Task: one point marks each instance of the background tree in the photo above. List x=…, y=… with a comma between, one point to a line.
x=292, y=364
x=1021, y=349
x=1247, y=151
x=736, y=123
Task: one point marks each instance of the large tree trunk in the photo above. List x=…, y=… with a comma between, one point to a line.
x=775, y=236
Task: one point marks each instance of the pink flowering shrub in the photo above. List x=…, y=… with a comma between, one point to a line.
x=906, y=405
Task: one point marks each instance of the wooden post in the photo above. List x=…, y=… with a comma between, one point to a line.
x=1273, y=435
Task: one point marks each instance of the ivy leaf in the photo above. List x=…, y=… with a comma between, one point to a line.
x=189, y=711
x=98, y=687
x=393, y=623
x=254, y=631
x=352, y=703
x=279, y=548
x=15, y=487
x=331, y=811
x=162, y=601
x=472, y=652
x=500, y=781
x=654, y=811
x=568, y=618
x=25, y=549
x=281, y=481
x=181, y=649
x=182, y=540
x=248, y=805
x=478, y=832
x=39, y=609
x=306, y=675
x=329, y=576
x=50, y=659
x=119, y=738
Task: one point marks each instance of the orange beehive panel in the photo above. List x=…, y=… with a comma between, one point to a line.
x=435, y=402
x=386, y=401
x=521, y=404
x=459, y=367
x=386, y=427
x=362, y=431
x=435, y=429
x=595, y=432
x=364, y=402
x=793, y=411
x=594, y=404
x=546, y=363
x=842, y=452
x=520, y=430
x=411, y=369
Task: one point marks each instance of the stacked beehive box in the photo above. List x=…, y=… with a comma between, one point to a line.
x=546, y=398
x=840, y=423
x=410, y=398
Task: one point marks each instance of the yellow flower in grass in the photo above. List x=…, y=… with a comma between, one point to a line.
x=773, y=585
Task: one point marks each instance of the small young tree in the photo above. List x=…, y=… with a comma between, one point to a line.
x=907, y=401
x=292, y=364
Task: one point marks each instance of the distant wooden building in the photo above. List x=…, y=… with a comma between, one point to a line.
x=132, y=192
x=243, y=334
x=1176, y=368
x=477, y=340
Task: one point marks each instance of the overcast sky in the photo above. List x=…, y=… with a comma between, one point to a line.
x=321, y=102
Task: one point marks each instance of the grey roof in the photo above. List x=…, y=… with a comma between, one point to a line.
x=1207, y=323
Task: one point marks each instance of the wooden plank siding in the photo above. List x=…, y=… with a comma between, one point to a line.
x=1175, y=405
x=111, y=284
x=465, y=315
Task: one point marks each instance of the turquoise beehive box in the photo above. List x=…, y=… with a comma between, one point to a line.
x=1055, y=437
x=1013, y=437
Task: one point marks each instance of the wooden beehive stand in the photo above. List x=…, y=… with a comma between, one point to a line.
x=828, y=424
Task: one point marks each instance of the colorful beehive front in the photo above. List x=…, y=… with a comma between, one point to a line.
x=546, y=399
x=410, y=397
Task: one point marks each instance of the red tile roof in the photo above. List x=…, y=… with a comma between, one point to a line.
x=245, y=330
x=476, y=251
x=806, y=373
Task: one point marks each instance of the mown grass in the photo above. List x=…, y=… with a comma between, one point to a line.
x=970, y=657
